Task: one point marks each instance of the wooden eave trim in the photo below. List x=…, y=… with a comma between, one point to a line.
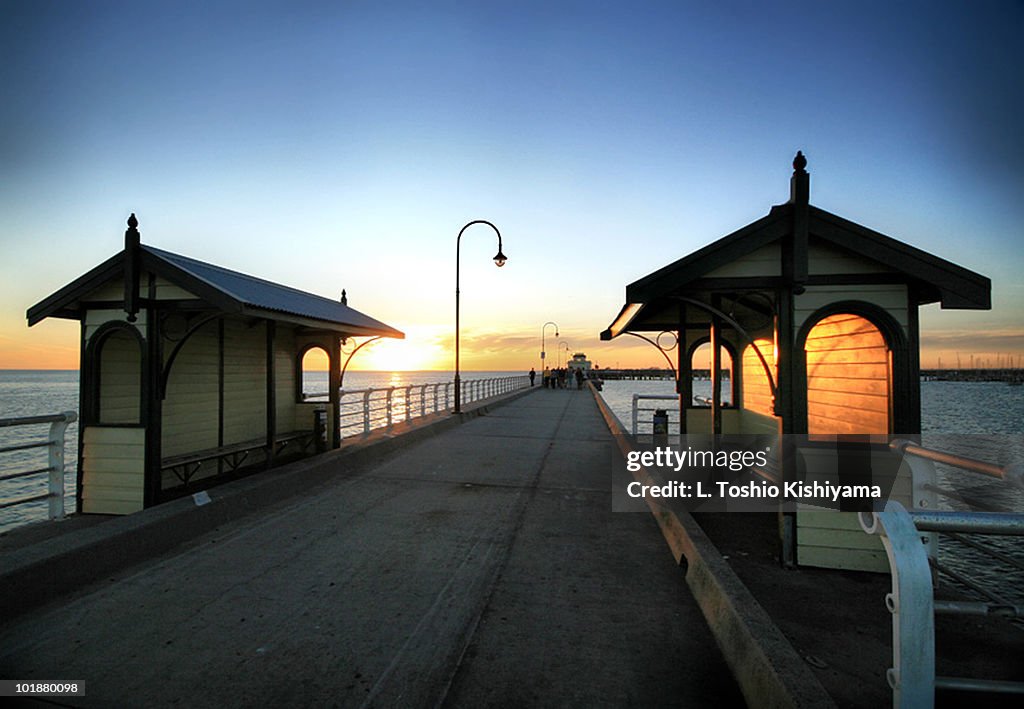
x=58, y=304
x=739, y=243
x=958, y=286
x=323, y=325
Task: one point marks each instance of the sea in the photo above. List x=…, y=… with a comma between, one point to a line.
x=984, y=420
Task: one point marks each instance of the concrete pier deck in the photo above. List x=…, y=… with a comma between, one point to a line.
x=479, y=566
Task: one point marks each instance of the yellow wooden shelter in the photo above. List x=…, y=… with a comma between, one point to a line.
x=191, y=373
x=815, y=319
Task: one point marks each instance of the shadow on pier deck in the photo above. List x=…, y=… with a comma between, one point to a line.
x=472, y=565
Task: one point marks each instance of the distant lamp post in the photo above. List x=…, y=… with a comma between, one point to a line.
x=563, y=345
x=499, y=261
x=543, y=329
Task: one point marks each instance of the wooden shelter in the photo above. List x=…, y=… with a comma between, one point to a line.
x=814, y=320
x=191, y=372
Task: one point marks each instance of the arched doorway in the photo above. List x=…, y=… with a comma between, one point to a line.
x=849, y=377
x=117, y=377
x=112, y=440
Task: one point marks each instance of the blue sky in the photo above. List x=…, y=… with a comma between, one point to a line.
x=343, y=145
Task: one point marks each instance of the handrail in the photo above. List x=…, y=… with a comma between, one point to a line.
x=911, y=602
x=653, y=397
x=1010, y=473
x=54, y=443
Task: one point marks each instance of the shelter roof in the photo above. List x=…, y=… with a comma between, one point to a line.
x=224, y=289
x=931, y=278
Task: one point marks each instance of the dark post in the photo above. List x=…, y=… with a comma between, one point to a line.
x=131, y=268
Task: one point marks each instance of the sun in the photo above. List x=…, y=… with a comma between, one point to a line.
x=419, y=351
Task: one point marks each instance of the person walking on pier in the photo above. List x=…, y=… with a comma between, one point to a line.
x=533, y=375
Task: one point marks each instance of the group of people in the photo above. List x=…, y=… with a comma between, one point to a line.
x=562, y=378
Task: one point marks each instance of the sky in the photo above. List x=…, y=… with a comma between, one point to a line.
x=331, y=145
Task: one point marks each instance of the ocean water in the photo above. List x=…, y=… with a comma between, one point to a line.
x=35, y=393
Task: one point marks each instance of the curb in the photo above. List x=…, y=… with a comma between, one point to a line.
x=43, y=571
x=768, y=670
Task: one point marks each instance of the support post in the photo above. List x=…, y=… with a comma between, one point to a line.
x=56, y=464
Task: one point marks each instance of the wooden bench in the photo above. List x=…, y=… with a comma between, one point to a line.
x=185, y=466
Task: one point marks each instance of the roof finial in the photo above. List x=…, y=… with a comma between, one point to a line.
x=344, y=297
x=132, y=221
x=799, y=162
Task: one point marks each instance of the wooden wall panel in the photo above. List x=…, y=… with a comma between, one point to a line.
x=165, y=290
x=825, y=259
x=190, y=407
x=120, y=368
x=113, y=462
x=245, y=385
x=847, y=377
x=891, y=297
x=284, y=373
x=757, y=392
x=765, y=261
x=95, y=318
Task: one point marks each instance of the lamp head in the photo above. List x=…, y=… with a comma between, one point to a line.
x=500, y=258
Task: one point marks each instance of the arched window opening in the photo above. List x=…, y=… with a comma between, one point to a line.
x=757, y=390
x=848, y=377
x=314, y=376
x=119, y=366
x=700, y=367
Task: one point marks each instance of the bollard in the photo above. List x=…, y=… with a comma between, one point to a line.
x=320, y=428
x=660, y=422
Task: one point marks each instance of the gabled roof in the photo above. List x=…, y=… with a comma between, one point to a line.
x=649, y=300
x=939, y=280
x=224, y=289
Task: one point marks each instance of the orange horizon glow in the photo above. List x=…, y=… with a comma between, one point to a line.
x=54, y=345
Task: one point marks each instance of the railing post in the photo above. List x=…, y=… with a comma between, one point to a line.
x=408, y=403
x=366, y=410
x=423, y=400
x=912, y=676
x=56, y=462
x=447, y=387
x=923, y=492
x=387, y=405
x=636, y=397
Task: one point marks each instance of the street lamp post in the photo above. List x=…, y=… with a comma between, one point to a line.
x=563, y=345
x=499, y=261
x=543, y=329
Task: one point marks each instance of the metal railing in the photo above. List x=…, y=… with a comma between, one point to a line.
x=54, y=443
x=910, y=542
x=672, y=412
x=365, y=409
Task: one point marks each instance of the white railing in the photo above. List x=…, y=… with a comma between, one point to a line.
x=54, y=470
x=910, y=542
x=363, y=410
x=672, y=412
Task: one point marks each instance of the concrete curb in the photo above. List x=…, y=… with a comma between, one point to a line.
x=768, y=670
x=43, y=571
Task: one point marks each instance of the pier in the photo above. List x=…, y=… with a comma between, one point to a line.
x=472, y=564
x=468, y=560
